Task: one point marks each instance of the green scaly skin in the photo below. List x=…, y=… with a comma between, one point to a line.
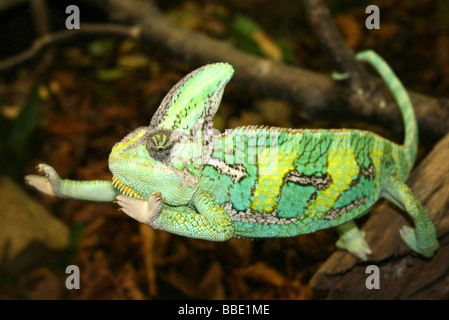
x=179, y=176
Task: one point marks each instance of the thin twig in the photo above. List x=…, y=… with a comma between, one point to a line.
x=357, y=89
x=39, y=12
x=40, y=17
x=331, y=41
x=41, y=44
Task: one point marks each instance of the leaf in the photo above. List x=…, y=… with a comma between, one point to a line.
x=111, y=74
x=252, y=38
x=26, y=123
x=101, y=47
x=76, y=232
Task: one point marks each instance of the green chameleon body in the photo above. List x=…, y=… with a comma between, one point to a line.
x=179, y=176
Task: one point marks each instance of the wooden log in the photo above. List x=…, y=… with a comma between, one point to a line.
x=403, y=274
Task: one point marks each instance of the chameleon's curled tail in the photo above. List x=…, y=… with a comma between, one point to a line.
x=402, y=99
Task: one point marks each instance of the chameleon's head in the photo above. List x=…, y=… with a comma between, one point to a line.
x=169, y=155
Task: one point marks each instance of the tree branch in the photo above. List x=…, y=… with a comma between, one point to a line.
x=357, y=89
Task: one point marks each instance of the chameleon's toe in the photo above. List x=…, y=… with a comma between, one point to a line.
x=40, y=183
x=143, y=211
x=52, y=176
x=156, y=197
x=155, y=203
x=45, y=169
x=408, y=235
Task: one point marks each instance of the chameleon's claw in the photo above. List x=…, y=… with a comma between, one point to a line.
x=144, y=211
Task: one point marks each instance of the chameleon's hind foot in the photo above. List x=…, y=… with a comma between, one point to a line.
x=421, y=239
x=353, y=240
x=408, y=235
x=144, y=211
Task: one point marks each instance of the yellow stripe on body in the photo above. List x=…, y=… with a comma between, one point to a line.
x=343, y=169
x=270, y=180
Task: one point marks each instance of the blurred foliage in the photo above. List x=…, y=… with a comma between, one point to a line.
x=26, y=123
x=250, y=37
x=16, y=134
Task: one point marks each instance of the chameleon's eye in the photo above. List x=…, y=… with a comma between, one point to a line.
x=159, y=145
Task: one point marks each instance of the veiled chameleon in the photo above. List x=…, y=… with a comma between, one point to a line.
x=256, y=181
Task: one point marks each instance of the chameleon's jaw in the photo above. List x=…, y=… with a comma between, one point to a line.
x=124, y=189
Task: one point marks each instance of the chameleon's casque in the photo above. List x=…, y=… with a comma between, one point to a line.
x=178, y=175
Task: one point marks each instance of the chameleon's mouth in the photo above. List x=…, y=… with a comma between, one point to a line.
x=127, y=191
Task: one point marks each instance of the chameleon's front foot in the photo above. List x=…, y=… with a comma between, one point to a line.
x=48, y=182
x=144, y=211
x=426, y=249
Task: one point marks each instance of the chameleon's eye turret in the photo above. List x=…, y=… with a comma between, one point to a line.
x=159, y=145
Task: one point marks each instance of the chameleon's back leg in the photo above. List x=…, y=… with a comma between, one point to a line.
x=422, y=239
x=353, y=240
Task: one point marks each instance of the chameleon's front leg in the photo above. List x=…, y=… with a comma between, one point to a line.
x=50, y=183
x=209, y=221
x=422, y=239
